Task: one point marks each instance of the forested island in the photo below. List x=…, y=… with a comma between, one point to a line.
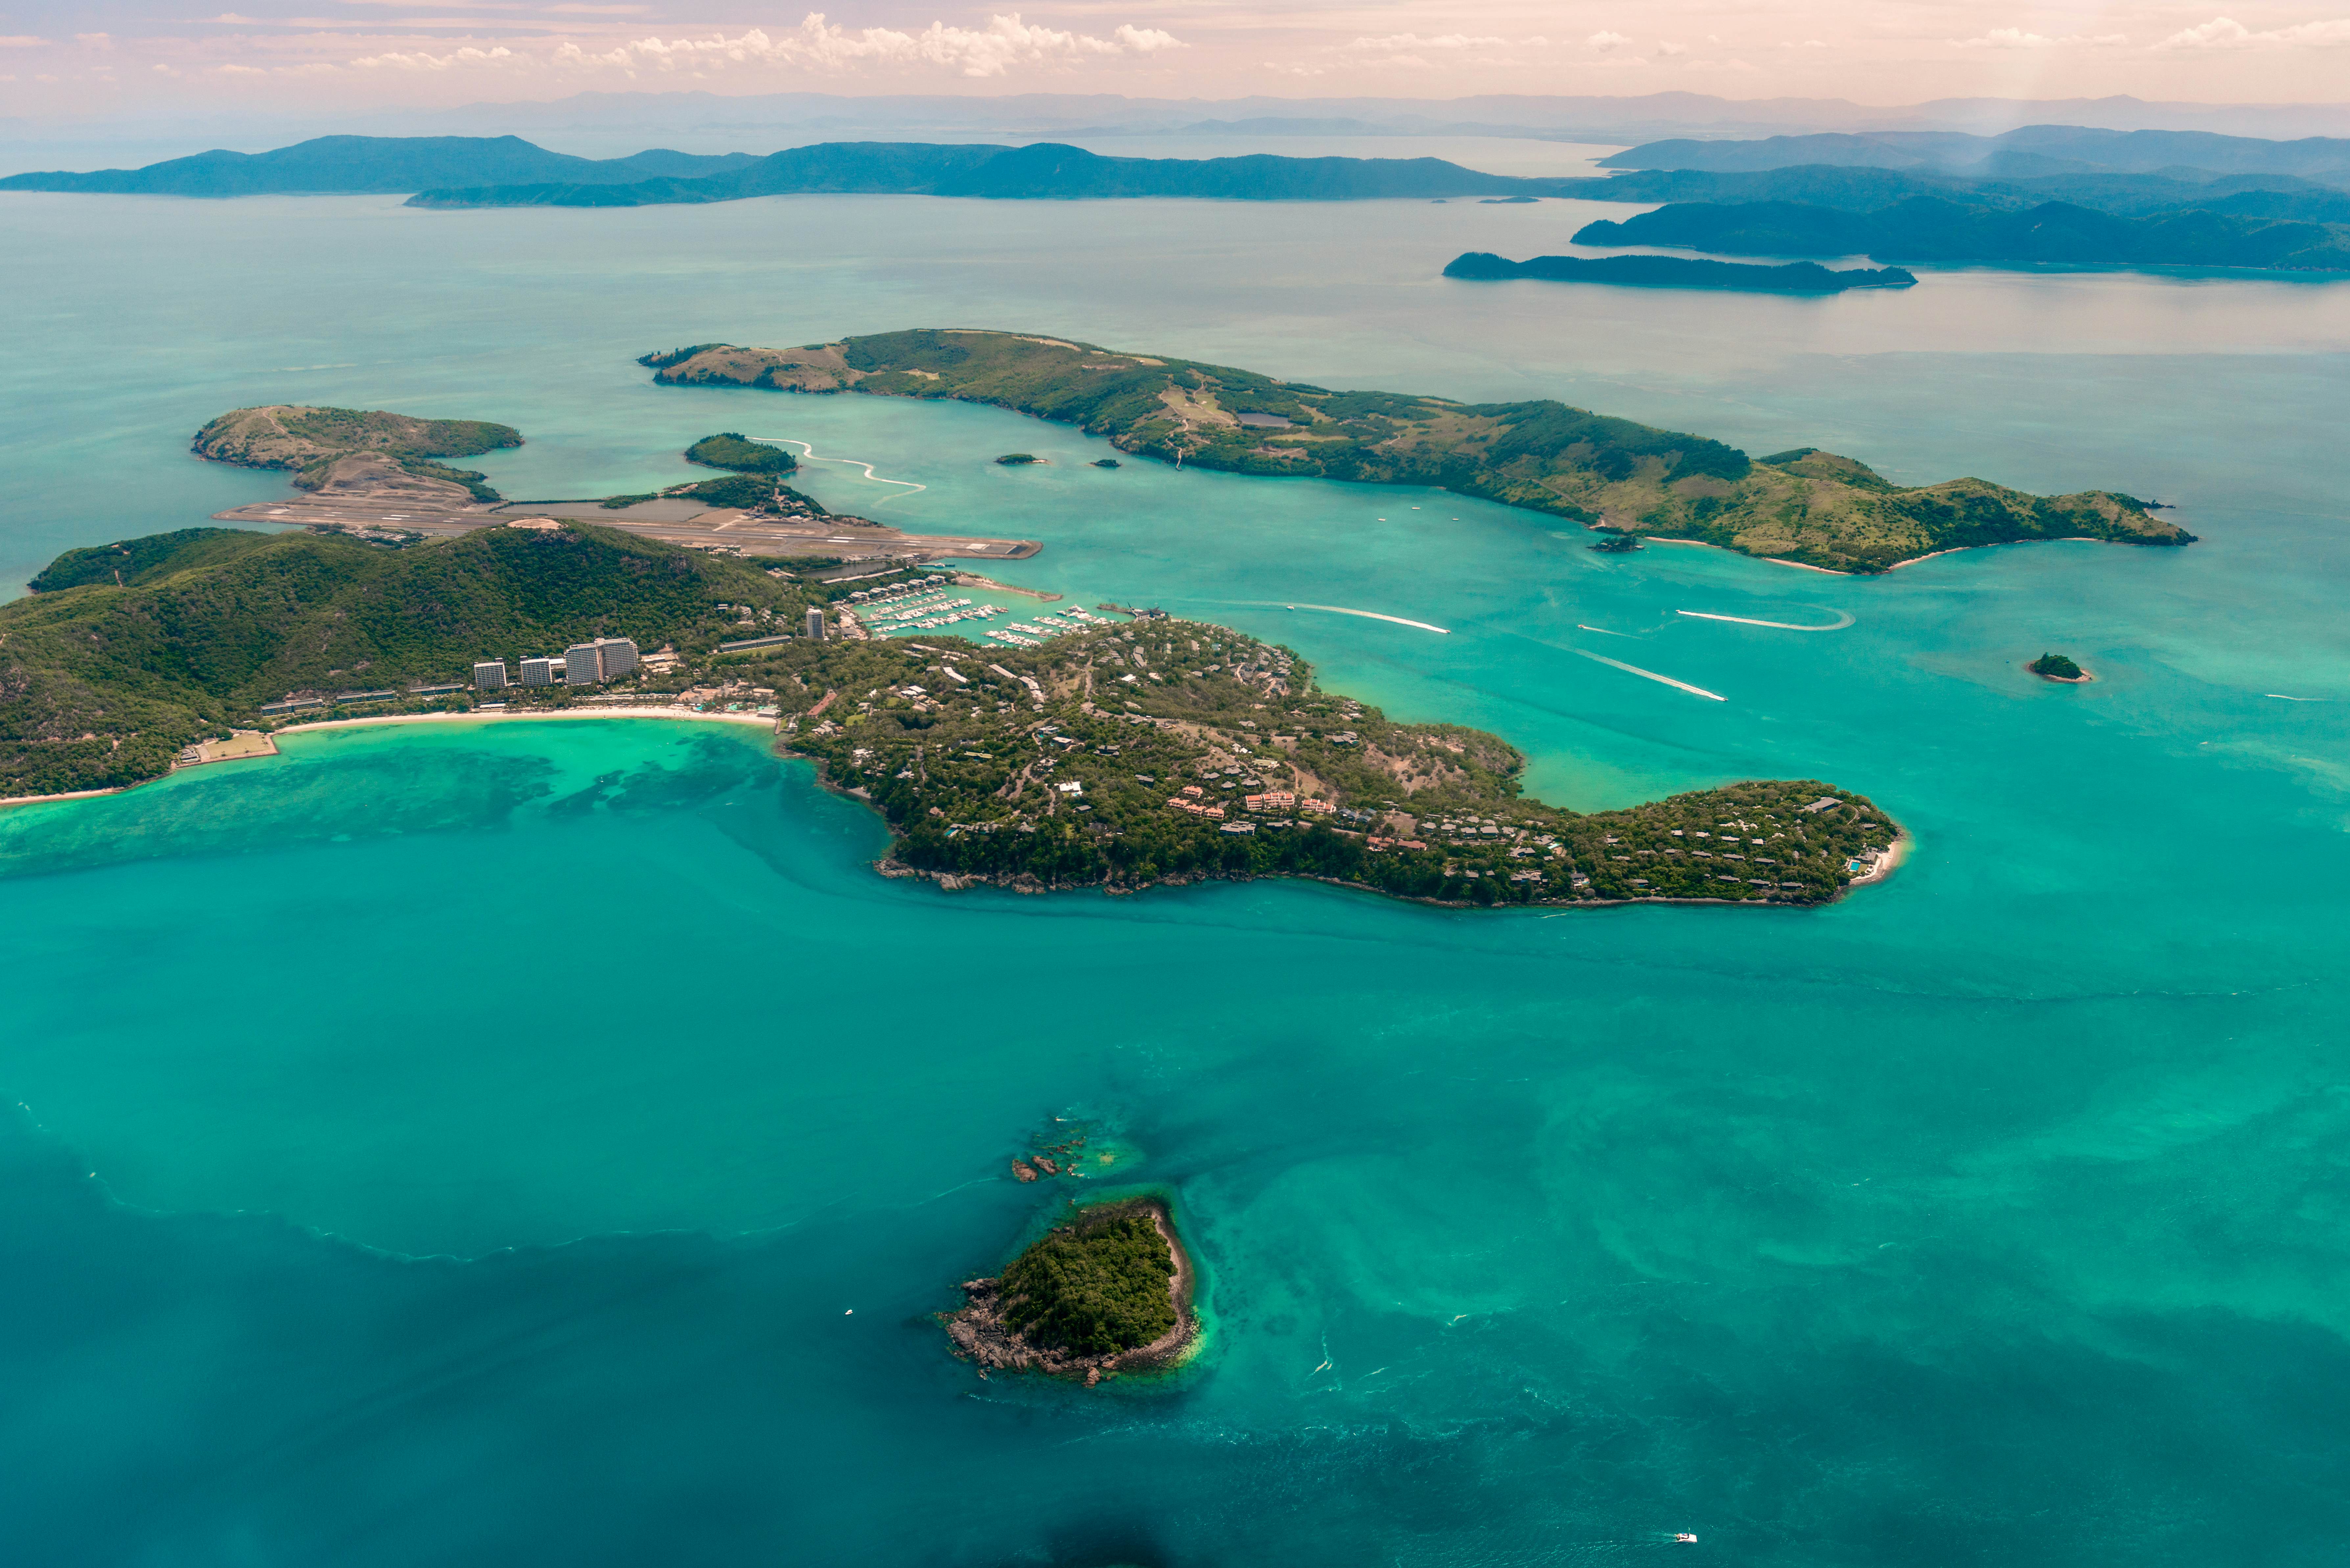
x=1116, y=756
x=1106, y=1291
x=1803, y=506
x=1678, y=272
x=1936, y=228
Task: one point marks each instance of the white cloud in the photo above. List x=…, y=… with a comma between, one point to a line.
x=94, y=40
x=2227, y=33
x=1395, y=41
x=1807, y=44
x=1603, y=41
x=577, y=10
x=991, y=51
x=2017, y=38
x=21, y=41
x=240, y=70
x=1664, y=47
x=468, y=56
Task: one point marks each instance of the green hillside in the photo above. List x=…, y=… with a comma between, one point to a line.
x=101, y=685
x=1540, y=454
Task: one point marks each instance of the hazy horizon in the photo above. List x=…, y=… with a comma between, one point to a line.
x=90, y=61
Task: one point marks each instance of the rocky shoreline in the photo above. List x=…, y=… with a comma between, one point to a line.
x=982, y=1336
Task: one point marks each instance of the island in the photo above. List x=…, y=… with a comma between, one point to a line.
x=1804, y=505
x=1616, y=544
x=1018, y=459
x=1106, y=1291
x=385, y=455
x=1679, y=272
x=733, y=450
x=754, y=486
x=1085, y=752
x=2058, y=667
x=1933, y=228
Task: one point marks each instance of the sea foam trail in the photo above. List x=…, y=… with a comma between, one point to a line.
x=1341, y=610
x=1647, y=674
x=852, y=462
x=1778, y=625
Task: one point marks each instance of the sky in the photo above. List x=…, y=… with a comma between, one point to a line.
x=77, y=60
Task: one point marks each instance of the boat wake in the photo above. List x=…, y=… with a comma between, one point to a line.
x=1340, y=609
x=1647, y=674
x=2283, y=698
x=809, y=453
x=1847, y=619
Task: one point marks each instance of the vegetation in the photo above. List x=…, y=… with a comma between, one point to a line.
x=1095, y=1286
x=741, y=492
x=1133, y=757
x=2056, y=667
x=321, y=444
x=733, y=449
x=1936, y=228
x=1044, y=171
x=1820, y=510
x=101, y=685
x=1014, y=459
x=1617, y=544
x=1679, y=272
x=1113, y=754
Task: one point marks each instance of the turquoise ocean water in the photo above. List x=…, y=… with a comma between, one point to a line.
x=545, y=1142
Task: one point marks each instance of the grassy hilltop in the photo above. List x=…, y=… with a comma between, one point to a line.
x=1803, y=506
x=314, y=442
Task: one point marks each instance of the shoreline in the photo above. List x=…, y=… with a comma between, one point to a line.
x=401, y=719
x=615, y=712
x=1175, y=1346
x=1888, y=866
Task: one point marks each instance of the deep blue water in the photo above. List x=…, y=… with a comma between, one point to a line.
x=357, y=1212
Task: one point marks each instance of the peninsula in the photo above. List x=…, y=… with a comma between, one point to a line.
x=1678, y=272
x=1107, y=1290
x=1088, y=753
x=1804, y=505
x=375, y=474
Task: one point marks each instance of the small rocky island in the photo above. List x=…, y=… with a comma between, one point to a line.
x=2056, y=667
x=1109, y=1291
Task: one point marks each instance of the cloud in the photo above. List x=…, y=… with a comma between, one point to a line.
x=94, y=40
x=2017, y=38
x=1005, y=42
x=1603, y=41
x=468, y=56
x=21, y=41
x=1725, y=68
x=1664, y=47
x=1395, y=41
x=2227, y=33
x=579, y=10
x=1807, y=44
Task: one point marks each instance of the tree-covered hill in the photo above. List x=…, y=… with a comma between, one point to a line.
x=101, y=685
x=1542, y=454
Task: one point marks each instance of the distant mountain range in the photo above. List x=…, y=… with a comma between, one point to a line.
x=1864, y=190
x=1046, y=170
x=508, y=172
x=2032, y=151
x=386, y=164
x=1930, y=229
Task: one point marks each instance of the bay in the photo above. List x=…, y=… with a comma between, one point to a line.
x=547, y=1139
